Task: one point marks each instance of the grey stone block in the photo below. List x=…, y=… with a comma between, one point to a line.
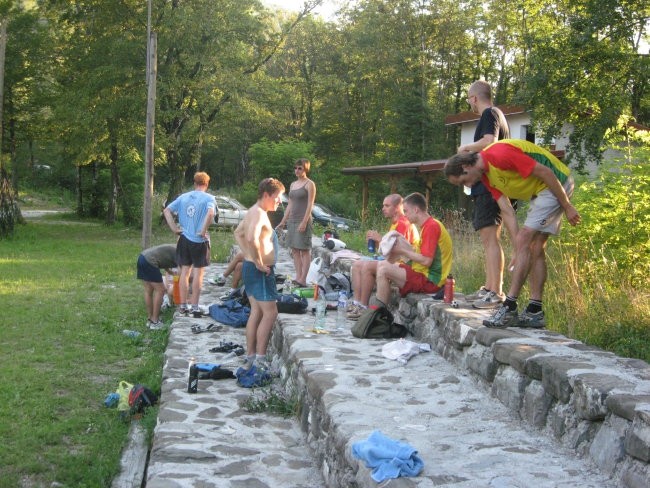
x=591, y=391
x=624, y=404
x=486, y=336
x=607, y=449
x=480, y=360
x=637, y=441
x=555, y=376
x=509, y=386
x=635, y=474
x=515, y=354
x=536, y=404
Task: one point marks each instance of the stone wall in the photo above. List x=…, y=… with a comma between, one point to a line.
x=592, y=401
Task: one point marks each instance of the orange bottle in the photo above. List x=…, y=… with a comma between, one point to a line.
x=177, y=290
x=448, y=296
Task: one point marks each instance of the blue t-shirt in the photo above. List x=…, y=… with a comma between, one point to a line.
x=192, y=208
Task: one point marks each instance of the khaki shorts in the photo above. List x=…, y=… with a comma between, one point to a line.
x=545, y=212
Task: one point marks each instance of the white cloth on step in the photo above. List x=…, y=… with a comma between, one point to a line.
x=402, y=350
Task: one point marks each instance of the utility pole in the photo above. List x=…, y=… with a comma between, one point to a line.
x=152, y=70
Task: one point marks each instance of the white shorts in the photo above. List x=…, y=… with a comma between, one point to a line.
x=545, y=212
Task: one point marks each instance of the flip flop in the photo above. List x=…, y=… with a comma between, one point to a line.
x=197, y=329
x=225, y=347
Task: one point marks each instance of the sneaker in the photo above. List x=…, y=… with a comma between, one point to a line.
x=351, y=306
x=491, y=300
x=220, y=281
x=530, y=320
x=155, y=325
x=356, y=312
x=480, y=294
x=502, y=317
x=183, y=310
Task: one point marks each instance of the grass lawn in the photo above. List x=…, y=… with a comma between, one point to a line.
x=68, y=290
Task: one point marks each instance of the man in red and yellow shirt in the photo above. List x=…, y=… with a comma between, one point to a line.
x=429, y=262
x=518, y=169
x=364, y=271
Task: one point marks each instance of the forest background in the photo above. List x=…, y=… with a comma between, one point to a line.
x=241, y=92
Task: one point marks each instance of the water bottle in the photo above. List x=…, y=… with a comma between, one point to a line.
x=286, y=288
x=341, y=305
x=321, y=307
x=193, y=377
x=131, y=333
x=448, y=296
x=371, y=246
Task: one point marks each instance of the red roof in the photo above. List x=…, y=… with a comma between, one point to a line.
x=468, y=116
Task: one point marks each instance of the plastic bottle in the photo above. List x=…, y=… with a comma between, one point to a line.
x=341, y=305
x=321, y=307
x=286, y=288
x=193, y=377
x=371, y=246
x=131, y=333
x=448, y=296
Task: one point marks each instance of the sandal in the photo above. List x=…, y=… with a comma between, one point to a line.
x=225, y=347
x=197, y=329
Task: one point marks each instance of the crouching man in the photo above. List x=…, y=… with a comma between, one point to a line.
x=518, y=169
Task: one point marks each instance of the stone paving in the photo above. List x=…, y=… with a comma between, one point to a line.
x=465, y=437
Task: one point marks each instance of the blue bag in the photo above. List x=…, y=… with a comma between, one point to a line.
x=230, y=312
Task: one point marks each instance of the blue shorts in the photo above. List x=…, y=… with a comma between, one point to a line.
x=147, y=271
x=260, y=286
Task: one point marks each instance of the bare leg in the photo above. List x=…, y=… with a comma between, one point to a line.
x=197, y=282
x=259, y=326
x=368, y=280
x=523, y=244
x=305, y=255
x=490, y=237
x=148, y=298
x=265, y=327
x=388, y=273
x=538, y=269
x=252, y=325
x=236, y=275
x=232, y=265
x=159, y=291
x=297, y=264
x=355, y=279
x=184, y=282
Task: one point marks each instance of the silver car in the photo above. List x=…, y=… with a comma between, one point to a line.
x=231, y=212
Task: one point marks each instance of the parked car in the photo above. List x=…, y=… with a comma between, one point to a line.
x=231, y=212
x=320, y=215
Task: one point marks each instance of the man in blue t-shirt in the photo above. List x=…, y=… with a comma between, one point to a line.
x=195, y=210
x=491, y=127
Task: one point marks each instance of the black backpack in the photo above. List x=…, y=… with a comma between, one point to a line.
x=378, y=324
x=291, y=304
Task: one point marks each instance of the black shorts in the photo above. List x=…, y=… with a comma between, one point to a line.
x=486, y=211
x=190, y=253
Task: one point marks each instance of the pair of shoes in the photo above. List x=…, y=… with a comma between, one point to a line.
x=155, y=325
x=356, y=312
x=491, y=300
x=197, y=329
x=530, y=320
x=478, y=295
x=183, y=310
x=502, y=317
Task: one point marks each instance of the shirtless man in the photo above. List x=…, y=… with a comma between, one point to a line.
x=259, y=243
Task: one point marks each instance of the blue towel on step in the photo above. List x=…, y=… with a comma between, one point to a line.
x=387, y=458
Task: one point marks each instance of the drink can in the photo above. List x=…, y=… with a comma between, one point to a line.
x=371, y=246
